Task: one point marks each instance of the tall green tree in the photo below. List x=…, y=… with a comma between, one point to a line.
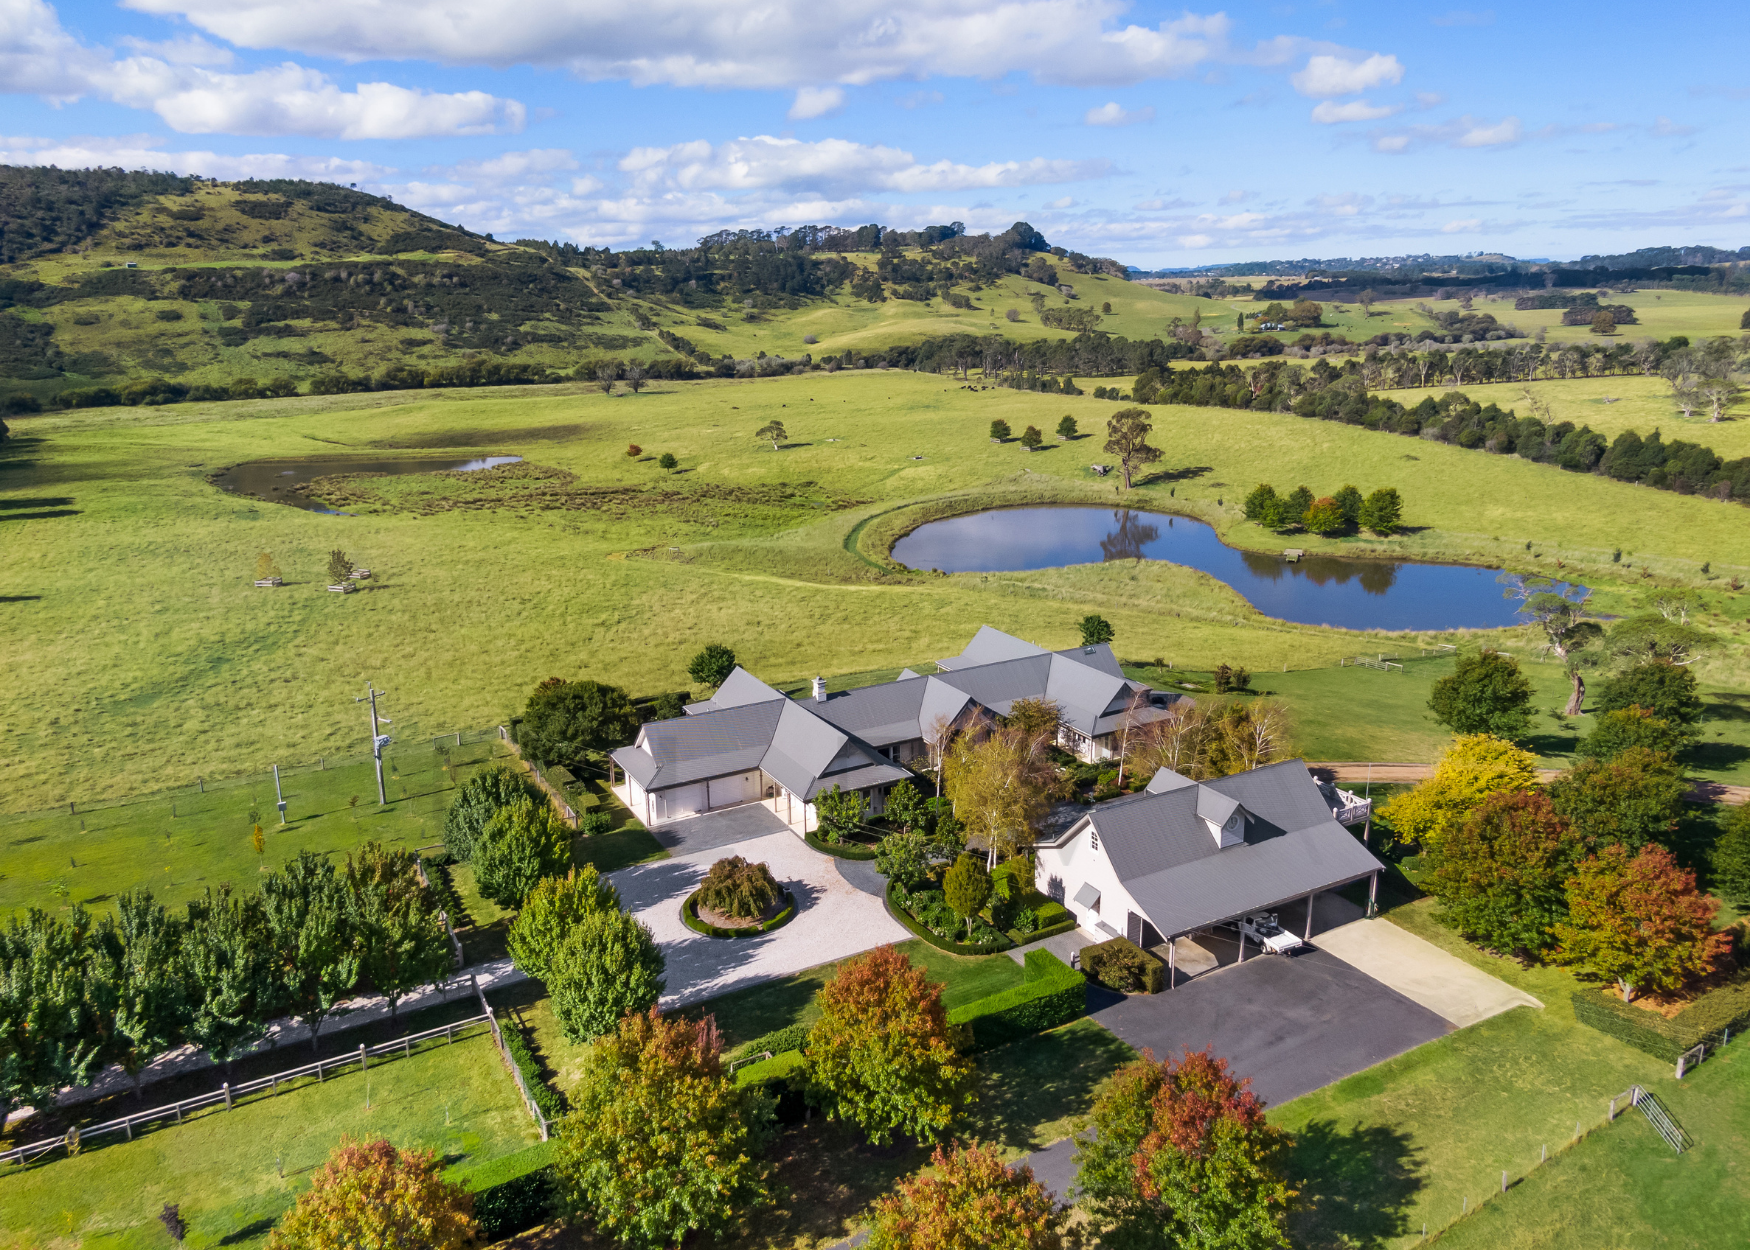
x=880, y=1056
x=1635, y=797
x=712, y=666
x=1665, y=689
x=1127, y=432
x=141, y=967
x=1383, y=511
x=1731, y=856
x=314, y=952
x=966, y=887
x=521, y=844
x=772, y=432
x=608, y=967
x=50, y=1033
x=1631, y=729
x=1568, y=631
x=1181, y=1158
x=1096, y=630
x=401, y=938
x=230, y=971
x=1265, y=507
x=567, y=720
x=840, y=813
x=1502, y=875
x=552, y=909
x=1486, y=694
x=1349, y=502
x=662, y=1144
x=477, y=801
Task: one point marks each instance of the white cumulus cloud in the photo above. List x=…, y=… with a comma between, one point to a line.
x=1329, y=112
x=816, y=102
x=1334, y=75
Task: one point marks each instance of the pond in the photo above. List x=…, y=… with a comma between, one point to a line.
x=1316, y=590
x=281, y=481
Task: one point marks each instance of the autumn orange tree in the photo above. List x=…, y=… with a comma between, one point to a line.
x=969, y=1200
x=880, y=1056
x=1639, y=922
x=1181, y=1157
x=661, y=1141
x=371, y=1194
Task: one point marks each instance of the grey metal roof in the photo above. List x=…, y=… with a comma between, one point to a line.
x=990, y=646
x=1097, y=656
x=693, y=748
x=877, y=714
x=1170, y=863
x=1087, y=896
x=880, y=773
x=739, y=688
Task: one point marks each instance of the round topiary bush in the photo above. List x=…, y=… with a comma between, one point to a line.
x=737, y=890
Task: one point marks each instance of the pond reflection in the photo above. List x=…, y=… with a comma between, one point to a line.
x=1316, y=590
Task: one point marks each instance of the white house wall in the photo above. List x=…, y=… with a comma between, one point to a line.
x=1062, y=870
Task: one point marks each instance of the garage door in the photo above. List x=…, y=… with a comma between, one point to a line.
x=681, y=801
x=728, y=791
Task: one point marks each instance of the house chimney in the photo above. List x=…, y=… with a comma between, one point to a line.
x=820, y=690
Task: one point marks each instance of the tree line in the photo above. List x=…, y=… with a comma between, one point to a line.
x=78, y=993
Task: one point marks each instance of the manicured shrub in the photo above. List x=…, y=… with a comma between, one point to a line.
x=609, y=966
x=737, y=888
x=1121, y=964
x=371, y=1194
x=515, y=1206
x=1053, y=993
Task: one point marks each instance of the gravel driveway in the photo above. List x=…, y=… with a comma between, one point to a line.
x=834, y=920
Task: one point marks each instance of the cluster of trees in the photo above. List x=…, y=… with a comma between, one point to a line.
x=1382, y=511
x=78, y=993
x=507, y=830
x=44, y=209
x=1576, y=872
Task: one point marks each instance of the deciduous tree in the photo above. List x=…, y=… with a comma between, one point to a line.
x=1664, y=689
x=400, y=935
x=315, y=954
x=1383, y=511
x=1096, y=630
x=609, y=966
x=340, y=566
x=1631, y=728
x=1349, y=501
x=369, y=1194
x=1640, y=922
x=840, y=813
x=772, y=432
x=969, y=1199
x=566, y=720
x=1634, y=798
x=966, y=886
x=552, y=909
x=1181, y=1158
x=1127, y=434
x=662, y=1143
x=1001, y=782
x=1473, y=768
x=1502, y=874
x=1325, y=516
x=1066, y=428
x=1032, y=439
x=1486, y=694
x=477, y=801
x=880, y=1055
x=521, y=844
x=1731, y=856
x=999, y=430
x=230, y=971
x=143, y=976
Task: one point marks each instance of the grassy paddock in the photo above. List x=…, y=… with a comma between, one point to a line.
x=223, y=1166
x=142, y=656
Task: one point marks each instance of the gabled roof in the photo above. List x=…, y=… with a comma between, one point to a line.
x=1160, y=848
x=739, y=688
x=715, y=743
x=990, y=646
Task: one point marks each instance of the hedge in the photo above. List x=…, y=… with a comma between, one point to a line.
x=690, y=916
x=1053, y=993
x=780, y=1066
x=940, y=943
x=511, y=1193
x=844, y=850
x=549, y=1100
x=1121, y=964
x=790, y=1037
x=1714, y=1012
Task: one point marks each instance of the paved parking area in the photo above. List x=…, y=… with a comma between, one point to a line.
x=835, y=919
x=1290, y=1023
x=1419, y=970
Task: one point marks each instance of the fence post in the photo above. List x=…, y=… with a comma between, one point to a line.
x=128, y=1127
x=1503, y=1182
x=364, y=1061
x=227, y=1095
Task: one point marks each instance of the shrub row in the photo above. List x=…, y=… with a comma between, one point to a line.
x=549, y=1100
x=790, y=1037
x=690, y=916
x=1121, y=964
x=1051, y=923
x=514, y=1206
x=905, y=918
x=1052, y=994
x=1703, y=1020
x=844, y=850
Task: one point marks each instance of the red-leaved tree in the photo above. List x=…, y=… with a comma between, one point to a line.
x=1181, y=1156
x=880, y=1055
x=1639, y=922
x=371, y=1194
x=969, y=1199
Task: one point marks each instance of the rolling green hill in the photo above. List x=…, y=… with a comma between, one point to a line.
x=113, y=279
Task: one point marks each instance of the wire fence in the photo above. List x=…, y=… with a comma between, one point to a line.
x=413, y=753
x=232, y=1096
x=516, y=1072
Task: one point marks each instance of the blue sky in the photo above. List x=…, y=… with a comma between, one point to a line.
x=1160, y=136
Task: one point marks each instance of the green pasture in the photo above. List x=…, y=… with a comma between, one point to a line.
x=1623, y=1187
x=142, y=657
x=1612, y=405
x=1659, y=315
x=181, y=842
x=223, y=1167
x=1414, y=1139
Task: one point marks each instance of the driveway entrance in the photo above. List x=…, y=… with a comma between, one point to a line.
x=710, y=830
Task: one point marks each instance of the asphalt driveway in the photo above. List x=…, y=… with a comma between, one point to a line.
x=725, y=827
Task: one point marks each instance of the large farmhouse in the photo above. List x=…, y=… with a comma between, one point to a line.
x=1187, y=857
x=752, y=743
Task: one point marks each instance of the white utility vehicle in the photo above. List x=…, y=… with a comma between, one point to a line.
x=1262, y=928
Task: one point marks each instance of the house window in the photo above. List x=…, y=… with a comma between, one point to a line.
x=1094, y=839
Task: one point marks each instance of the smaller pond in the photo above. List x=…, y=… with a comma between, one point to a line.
x=280, y=481
x=1316, y=590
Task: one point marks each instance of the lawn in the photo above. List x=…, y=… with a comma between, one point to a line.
x=223, y=1167
x=1624, y=1187
x=1415, y=1139
x=142, y=657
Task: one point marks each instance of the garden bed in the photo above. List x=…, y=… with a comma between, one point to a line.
x=690, y=917
x=844, y=850
x=921, y=930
